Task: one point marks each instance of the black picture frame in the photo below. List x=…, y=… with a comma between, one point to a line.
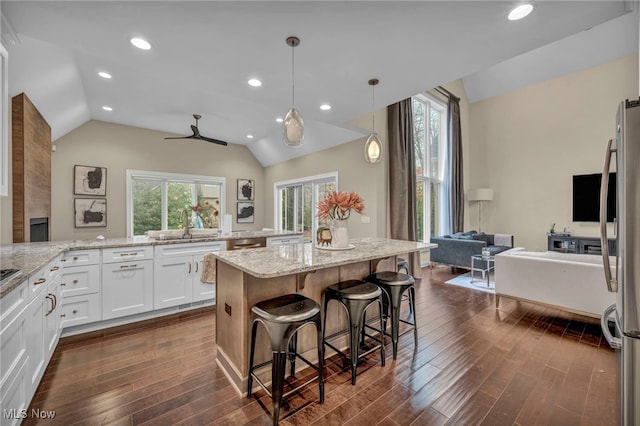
x=90, y=212
x=245, y=212
x=246, y=189
x=89, y=180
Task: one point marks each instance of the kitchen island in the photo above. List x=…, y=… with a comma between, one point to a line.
x=246, y=277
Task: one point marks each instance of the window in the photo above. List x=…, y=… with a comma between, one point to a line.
x=158, y=200
x=296, y=202
x=429, y=142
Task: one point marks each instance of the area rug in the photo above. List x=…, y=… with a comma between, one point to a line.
x=464, y=280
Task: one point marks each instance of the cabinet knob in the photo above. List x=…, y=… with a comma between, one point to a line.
x=75, y=257
x=75, y=281
x=63, y=284
x=75, y=311
x=63, y=315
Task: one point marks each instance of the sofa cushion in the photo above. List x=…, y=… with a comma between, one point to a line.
x=481, y=236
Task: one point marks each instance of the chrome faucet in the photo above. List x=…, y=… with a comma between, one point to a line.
x=184, y=217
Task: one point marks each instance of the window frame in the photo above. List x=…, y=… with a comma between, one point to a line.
x=166, y=177
x=426, y=179
x=314, y=181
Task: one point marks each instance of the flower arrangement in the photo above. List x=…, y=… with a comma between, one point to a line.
x=338, y=205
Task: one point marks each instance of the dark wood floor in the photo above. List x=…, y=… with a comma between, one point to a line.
x=523, y=364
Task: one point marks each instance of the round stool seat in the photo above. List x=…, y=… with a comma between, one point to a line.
x=354, y=290
x=391, y=278
x=286, y=309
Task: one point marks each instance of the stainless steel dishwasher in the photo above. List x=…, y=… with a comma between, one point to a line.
x=246, y=243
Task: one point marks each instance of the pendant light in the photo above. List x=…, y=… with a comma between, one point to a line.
x=292, y=125
x=373, y=147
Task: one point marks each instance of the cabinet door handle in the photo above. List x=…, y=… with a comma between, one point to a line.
x=55, y=268
x=189, y=263
x=135, y=265
x=197, y=266
x=40, y=281
x=55, y=301
x=50, y=297
x=63, y=315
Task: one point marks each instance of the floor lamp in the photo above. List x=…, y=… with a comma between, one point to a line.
x=480, y=195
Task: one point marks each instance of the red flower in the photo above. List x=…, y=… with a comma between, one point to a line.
x=338, y=205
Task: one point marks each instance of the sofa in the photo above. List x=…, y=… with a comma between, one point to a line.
x=566, y=281
x=456, y=249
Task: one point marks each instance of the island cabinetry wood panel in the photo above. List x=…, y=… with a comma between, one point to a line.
x=31, y=159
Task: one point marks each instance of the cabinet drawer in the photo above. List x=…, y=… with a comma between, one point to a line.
x=81, y=257
x=282, y=241
x=12, y=304
x=123, y=254
x=189, y=249
x=80, y=280
x=82, y=309
x=13, y=350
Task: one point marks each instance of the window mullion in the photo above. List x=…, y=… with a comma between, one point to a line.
x=164, y=204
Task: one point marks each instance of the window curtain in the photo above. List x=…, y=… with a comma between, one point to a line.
x=402, y=178
x=455, y=162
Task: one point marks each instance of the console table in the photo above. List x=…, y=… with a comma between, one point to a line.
x=581, y=245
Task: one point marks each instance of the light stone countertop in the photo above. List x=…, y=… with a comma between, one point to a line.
x=269, y=262
x=30, y=257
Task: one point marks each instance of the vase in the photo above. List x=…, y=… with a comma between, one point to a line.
x=339, y=233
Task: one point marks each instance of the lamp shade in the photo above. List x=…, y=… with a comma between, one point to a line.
x=293, y=129
x=481, y=194
x=373, y=149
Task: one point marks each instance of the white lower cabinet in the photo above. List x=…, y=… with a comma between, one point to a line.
x=177, y=274
x=13, y=354
x=80, y=288
x=127, y=288
x=42, y=324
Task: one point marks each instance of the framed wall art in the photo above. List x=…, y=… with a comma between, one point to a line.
x=245, y=212
x=245, y=189
x=90, y=212
x=89, y=180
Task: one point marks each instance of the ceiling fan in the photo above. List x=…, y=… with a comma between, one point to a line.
x=196, y=134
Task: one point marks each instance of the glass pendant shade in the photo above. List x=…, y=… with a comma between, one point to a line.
x=373, y=149
x=293, y=129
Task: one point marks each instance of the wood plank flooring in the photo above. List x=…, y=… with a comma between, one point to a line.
x=520, y=365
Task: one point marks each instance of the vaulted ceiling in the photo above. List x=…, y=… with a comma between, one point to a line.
x=204, y=52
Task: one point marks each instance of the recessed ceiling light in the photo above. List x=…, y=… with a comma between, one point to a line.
x=107, y=108
x=249, y=136
x=141, y=43
x=104, y=75
x=279, y=119
x=325, y=107
x=254, y=82
x=520, y=12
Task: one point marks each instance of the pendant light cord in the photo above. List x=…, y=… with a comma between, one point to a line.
x=293, y=79
x=373, y=111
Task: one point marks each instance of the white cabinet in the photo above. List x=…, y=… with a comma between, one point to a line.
x=13, y=353
x=80, y=288
x=282, y=241
x=177, y=272
x=127, y=281
x=42, y=323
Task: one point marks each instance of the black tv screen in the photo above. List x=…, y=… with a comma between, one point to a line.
x=586, y=198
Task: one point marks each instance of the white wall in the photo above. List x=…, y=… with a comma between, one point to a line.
x=527, y=145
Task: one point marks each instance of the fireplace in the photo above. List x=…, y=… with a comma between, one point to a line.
x=39, y=229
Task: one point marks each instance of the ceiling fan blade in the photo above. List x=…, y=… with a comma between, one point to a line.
x=204, y=138
x=181, y=137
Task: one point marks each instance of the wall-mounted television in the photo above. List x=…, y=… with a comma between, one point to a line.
x=586, y=198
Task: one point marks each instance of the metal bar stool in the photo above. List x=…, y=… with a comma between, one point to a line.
x=355, y=297
x=394, y=285
x=283, y=317
x=402, y=264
